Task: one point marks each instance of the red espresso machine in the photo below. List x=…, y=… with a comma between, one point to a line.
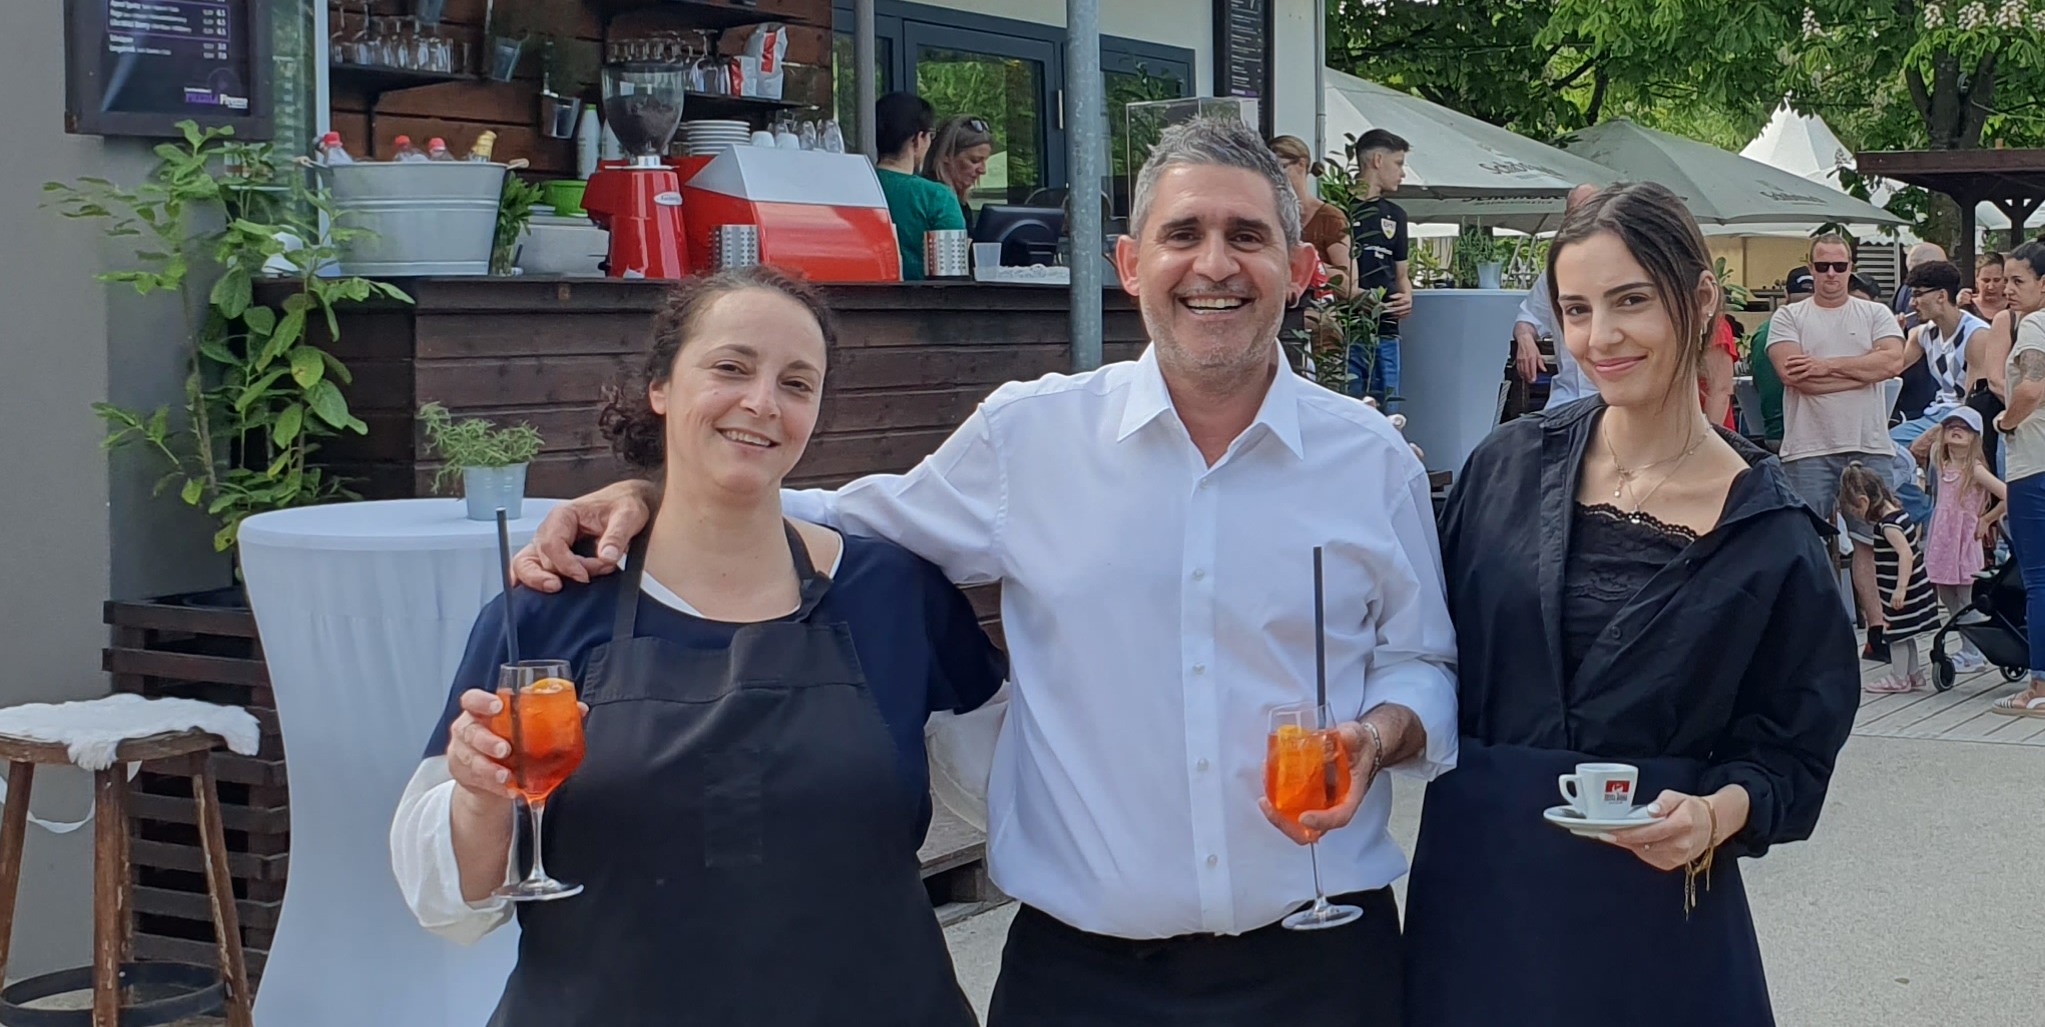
x=639, y=200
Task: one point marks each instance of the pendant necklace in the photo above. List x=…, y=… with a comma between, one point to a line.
x=1626, y=475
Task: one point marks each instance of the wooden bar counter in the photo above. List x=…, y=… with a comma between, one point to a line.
x=912, y=360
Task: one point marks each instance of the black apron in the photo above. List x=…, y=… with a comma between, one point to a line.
x=740, y=829
x=1511, y=920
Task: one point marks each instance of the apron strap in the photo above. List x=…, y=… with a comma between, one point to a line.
x=814, y=582
x=625, y=620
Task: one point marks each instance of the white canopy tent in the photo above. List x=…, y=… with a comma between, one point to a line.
x=1803, y=145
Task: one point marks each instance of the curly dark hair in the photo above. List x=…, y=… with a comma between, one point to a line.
x=636, y=433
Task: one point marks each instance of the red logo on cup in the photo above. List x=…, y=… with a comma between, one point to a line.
x=1619, y=791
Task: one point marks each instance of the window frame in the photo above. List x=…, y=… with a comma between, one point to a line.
x=893, y=20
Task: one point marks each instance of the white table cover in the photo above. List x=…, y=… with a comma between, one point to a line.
x=364, y=610
x=1452, y=353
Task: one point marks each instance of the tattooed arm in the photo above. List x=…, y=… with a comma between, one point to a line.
x=2026, y=388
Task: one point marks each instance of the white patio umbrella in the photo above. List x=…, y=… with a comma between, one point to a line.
x=1720, y=188
x=1460, y=168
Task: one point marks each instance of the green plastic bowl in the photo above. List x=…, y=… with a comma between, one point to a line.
x=566, y=196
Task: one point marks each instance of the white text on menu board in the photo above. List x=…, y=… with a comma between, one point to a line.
x=160, y=28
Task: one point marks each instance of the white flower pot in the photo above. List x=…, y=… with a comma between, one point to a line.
x=487, y=488
x=1490, y=275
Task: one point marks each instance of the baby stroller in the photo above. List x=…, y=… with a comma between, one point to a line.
x=1994, y=623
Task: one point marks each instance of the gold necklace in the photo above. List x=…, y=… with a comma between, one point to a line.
x=1626, y=476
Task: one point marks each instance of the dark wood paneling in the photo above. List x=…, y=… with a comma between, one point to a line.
x=857, y=411
x=912, y=362
x=524, y=382
x=849, y=456
x=497, y=336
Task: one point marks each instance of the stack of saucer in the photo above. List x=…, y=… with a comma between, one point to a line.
x=710, y=138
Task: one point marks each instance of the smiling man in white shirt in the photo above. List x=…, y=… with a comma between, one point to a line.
x=1152, y=524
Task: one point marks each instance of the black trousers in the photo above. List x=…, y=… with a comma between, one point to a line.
x=1055, y=975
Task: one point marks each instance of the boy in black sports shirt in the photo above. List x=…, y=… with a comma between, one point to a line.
x=1378, y=237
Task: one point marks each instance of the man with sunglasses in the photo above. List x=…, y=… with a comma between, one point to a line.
x=1833, y=352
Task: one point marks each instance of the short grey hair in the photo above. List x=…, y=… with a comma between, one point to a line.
x=1924, y=253
x=1222, y=142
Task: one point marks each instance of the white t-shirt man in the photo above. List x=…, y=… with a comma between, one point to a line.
x=1852, y=420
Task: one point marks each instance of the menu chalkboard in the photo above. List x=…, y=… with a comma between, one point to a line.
x=1242, y=53
x=138, y=67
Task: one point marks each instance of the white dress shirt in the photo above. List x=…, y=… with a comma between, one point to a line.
x=1156, y=610
x=1568, y=383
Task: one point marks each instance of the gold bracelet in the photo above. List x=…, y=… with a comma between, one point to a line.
x=1701, y=864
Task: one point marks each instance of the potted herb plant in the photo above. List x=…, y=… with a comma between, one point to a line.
x=491, y=460
x=514, y=216
x=1476, y=259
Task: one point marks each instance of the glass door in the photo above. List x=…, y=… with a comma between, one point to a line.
x=1009, y=82
x=845, y=89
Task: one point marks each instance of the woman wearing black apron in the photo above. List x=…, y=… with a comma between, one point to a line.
x=746, y=821
x=1629, y=584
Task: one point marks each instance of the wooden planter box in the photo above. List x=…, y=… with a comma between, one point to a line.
x=166, y=649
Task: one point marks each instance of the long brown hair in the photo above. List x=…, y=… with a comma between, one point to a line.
x=1865, y=491
x=1942, y=457
x=636, y=433
x=1658, y=231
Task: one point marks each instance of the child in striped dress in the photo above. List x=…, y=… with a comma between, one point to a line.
x=1909, y=604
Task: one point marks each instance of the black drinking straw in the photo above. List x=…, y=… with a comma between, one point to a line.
x=1320, y=644
x=511, y=648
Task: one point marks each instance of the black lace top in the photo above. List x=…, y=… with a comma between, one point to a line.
x=1611, y=556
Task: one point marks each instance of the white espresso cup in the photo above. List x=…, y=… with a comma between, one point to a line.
x=1601, y=791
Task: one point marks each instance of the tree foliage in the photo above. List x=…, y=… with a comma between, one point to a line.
x=1516, y=63
x=1897, y=74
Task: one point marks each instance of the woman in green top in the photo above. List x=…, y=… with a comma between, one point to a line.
x=902, y=125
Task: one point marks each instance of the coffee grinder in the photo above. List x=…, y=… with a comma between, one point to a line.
x=639, y=200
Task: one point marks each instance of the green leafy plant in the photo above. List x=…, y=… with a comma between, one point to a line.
x=1427, y=269
x=1737, y=296
x=475, y=442
x=1474, y=246
x=259, y=393
x=514, y=213
x=1344, y=321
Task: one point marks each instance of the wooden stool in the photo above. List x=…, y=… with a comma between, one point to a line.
x=181, y=752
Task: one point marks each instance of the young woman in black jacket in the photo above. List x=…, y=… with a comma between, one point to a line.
x=1629, y=584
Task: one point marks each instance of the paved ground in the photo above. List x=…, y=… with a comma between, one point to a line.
x=1920, y=901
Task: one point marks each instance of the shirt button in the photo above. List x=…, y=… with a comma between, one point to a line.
x=1213, y=860
x=1612, y=633
x=1206, y=483
x=1199, y=668
x=1202, y=765
x=1199, y=574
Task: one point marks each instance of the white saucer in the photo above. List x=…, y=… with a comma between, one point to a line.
x=1567, y=818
